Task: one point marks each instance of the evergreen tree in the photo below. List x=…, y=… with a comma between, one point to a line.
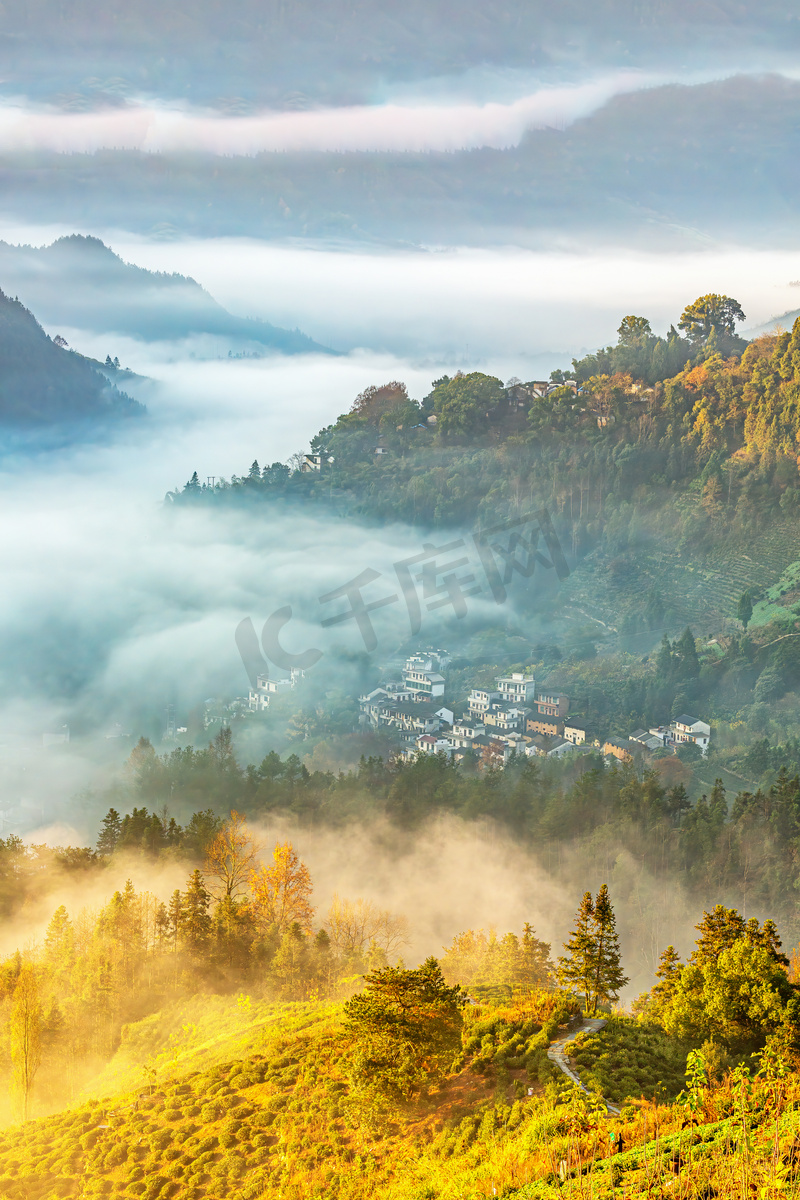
x=689, y=663
x=592, y=964
x=668, y=971
x=718, y=930
x=289, y=967
x=664, y=660
x=175, y=916
x=110, y=830
x=608, y=976
x=406, y=1027
x=576, y=967
x=196, y=918
x=744, y=609
x=534, y=959
x=59, y=941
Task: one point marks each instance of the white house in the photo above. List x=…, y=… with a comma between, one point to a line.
x=505, y=718
x=465, y=732
x=480, y=700
x=258, y=698
x=649, y=741
x=689, y=729
x=422, y=673
x=559, y=748
x=429, y=744
x=428, y=685
x=516, y=688
x=575, y=734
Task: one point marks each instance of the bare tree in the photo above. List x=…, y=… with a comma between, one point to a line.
x=354, y=925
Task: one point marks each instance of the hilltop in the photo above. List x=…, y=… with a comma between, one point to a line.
x=79, y=281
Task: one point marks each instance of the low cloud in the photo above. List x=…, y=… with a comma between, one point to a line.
x=392, y=127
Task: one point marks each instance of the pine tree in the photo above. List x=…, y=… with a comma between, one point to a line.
x=718, y=930
x=59, y=942
x=687, y=655
x=576, y=967
x=175, y=915
x=664, y=660
x=109, y=833
x=535, y=966
x=608, y=976
x=744, y=609
x=196, y=919
x=668, y=971
x=592, y=964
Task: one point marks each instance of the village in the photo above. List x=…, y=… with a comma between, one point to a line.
x=514, y=718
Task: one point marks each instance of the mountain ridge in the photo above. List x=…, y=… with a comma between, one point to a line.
x=79, y=281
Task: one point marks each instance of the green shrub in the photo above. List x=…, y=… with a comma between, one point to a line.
x=227, y=1135
x=160, y=1140
x=212, y=1111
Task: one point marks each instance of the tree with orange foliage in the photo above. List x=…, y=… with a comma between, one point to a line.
x=231, y=856
x=376, y=402
x=282, y=892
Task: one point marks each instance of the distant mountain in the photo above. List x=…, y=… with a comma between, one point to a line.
x=668, y=167
x=42, y=383
x=80, y=282
x=784, y=321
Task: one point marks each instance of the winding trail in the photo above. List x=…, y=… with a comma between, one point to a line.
x=557, y=1053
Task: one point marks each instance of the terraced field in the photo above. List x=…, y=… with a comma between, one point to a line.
x=699, y=592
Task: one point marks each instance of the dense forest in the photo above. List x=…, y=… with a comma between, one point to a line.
x=692, y=437
x=571, y=818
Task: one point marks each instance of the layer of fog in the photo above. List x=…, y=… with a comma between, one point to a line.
x=446, y=124
x=114, y=606
x=446, y=877
x=508, y=311
x=478, y=308
x=420, y=127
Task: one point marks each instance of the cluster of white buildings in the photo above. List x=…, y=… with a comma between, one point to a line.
x=512, y=718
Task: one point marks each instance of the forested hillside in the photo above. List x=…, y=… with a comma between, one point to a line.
x=42, y=383
x=705, y=419
x=684, y=445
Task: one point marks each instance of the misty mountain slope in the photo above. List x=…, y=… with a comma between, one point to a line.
x=79, y=281
x=41, y=383
x=668, y=165
x=784, y=321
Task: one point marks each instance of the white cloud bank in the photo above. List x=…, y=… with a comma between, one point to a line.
x=410, y=128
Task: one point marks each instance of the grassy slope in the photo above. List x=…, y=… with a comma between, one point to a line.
x=276, y=1119
x=250, y=1097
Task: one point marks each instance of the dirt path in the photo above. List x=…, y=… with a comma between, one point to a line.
x=557, y=1053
